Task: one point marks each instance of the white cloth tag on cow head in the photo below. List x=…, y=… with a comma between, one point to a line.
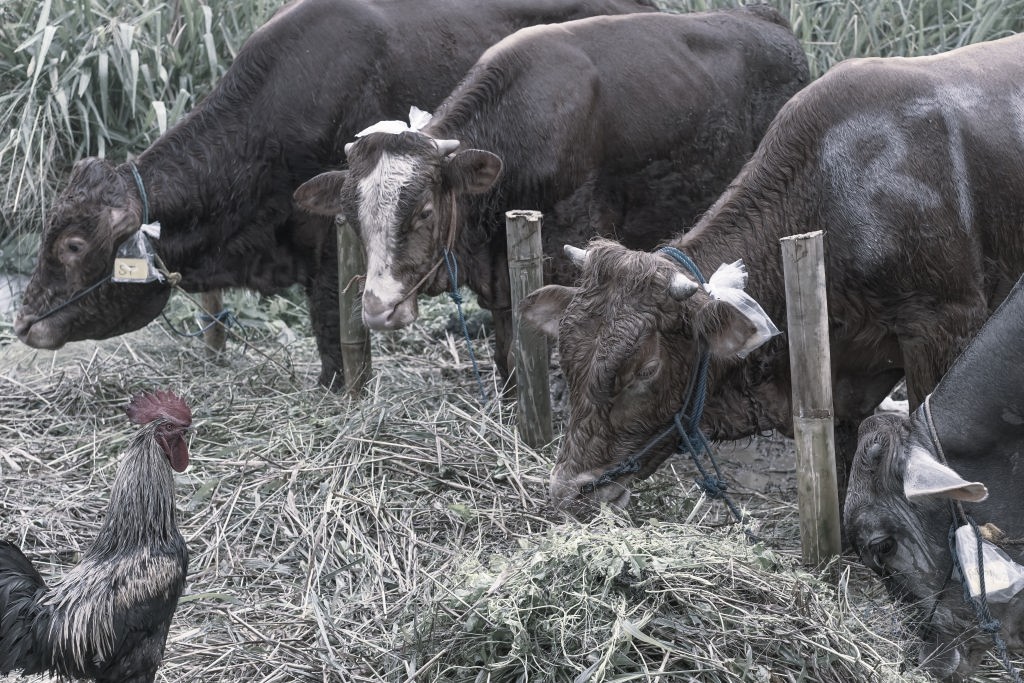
x=417, y=119
x=151, y=229
x=1004, y=578
x=727, y=284
x=134, y=261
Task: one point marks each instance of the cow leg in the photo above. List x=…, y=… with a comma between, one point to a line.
x=322, y=291
x=503, y=356
x=845, y=434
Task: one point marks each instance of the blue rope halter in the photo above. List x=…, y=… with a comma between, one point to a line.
x=452, y=265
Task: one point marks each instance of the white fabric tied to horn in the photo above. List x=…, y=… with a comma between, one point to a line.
x=417, y=120
x=727, y=284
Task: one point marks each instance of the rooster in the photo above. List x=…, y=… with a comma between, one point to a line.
x=108, y=618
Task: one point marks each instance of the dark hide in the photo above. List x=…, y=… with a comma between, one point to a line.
x=901, y=533
x=221, y=181
x=915, y=170
x=617, y=126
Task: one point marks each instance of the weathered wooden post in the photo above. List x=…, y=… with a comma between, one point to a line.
x=810, y=361
x=216, y=334
x=354, y=337
x=526, y=273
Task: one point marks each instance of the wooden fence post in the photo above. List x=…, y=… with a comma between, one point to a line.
x=216, y=335
x=526, y=273
x=810, y=361
x=354, y=337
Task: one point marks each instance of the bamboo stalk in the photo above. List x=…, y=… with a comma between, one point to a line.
x=526, y=273
x=354, y=337
x=810, y=361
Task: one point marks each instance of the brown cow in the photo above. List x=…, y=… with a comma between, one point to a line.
x=220, y=182
x=612, y=126
x=915, y=170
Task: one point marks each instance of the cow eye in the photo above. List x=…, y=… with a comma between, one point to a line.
x=648, y=370
x=425, y=213
x=72, y=247
x=882, y=548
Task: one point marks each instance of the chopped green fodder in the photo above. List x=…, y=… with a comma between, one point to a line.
x=611, y=601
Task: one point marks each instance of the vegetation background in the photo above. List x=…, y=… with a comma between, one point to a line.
x=106, y=77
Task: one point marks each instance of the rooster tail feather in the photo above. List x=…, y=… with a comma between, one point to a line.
x=24, y=618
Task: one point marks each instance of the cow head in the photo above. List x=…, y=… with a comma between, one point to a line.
x=898, y=516
x=400, y=194
x=629, y=336
x=95, y=213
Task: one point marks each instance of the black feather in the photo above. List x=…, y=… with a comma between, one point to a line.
x=106, y=619
x=22, y=613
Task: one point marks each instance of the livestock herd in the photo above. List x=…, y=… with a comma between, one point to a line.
x=625, y=130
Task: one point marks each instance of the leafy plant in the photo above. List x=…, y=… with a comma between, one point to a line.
x=833, y=30
x=106, y=77
x=103, y=78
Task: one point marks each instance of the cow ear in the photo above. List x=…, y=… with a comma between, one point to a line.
x=322, y=194
x=473, y=171
x=923, y=475
x=543, y=309
x=120, y=222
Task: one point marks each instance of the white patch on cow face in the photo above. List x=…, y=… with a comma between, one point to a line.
x=379, y=193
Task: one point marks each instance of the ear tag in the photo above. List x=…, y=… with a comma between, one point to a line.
x=134, y=260
x=1004, y=578
x=727, y=284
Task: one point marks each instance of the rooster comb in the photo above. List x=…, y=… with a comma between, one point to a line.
x=154, y=405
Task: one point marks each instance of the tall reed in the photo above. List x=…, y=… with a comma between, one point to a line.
x=104, y=78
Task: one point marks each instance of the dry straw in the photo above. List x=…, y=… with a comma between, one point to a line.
x=405, y=537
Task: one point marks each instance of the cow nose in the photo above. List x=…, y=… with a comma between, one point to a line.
x=577, y=496
x=379, y=315
x=23, y=323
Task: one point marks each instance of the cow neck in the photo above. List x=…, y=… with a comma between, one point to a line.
x=970, y=398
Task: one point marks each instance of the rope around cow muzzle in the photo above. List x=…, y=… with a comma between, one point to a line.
x=685, y=423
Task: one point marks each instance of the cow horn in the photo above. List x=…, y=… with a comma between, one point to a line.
x=348, y=147
x=446, y=147
x=576, y=255
x=682, y=287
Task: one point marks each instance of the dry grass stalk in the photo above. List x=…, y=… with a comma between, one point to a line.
x=405, y=538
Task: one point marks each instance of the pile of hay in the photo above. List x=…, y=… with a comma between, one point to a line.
x=404, y=537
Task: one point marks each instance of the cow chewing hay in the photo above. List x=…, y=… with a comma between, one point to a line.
x=404, y=537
